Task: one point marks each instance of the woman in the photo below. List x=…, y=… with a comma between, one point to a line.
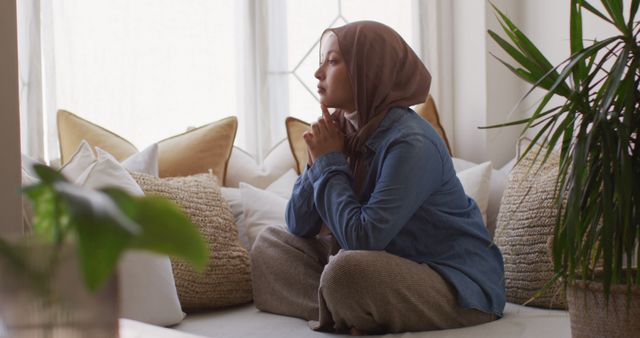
x=381, y=236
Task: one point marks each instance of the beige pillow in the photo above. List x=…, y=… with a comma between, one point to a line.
x=192, y=152
x=429, y=112
x=525, y=225
x=227, y=279
x=295, y=129
x=72, y=129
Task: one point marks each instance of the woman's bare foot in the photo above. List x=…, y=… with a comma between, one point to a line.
x=356, y=332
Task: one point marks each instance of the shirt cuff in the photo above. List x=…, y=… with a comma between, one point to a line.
x=332, y=159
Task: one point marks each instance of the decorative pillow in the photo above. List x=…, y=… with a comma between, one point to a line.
x=429, y=112
x=227, y=279
x=195, y=151
x=295, y=128
x=244, y=168
x=476, y=181
x=79, y=162
x=145, y=161
x=283, y=186
x=72, y=130
x=525, y=224
x=198, y=150
x=261, y=208
x=147, y=287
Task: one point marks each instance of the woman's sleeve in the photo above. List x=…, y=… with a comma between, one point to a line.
x=410, y=172
x=301, y=216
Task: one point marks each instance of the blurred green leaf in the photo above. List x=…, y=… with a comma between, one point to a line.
x=165, y=229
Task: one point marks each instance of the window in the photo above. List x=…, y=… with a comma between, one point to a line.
x=149, y=69
x=305, y=22
x=146, y=69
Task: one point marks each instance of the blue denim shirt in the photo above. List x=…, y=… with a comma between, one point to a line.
x=415, y=207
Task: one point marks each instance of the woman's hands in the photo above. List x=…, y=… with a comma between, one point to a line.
x=324, y=136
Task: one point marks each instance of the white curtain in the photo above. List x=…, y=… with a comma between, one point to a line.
x=30, y=75
x=149, y=69
x=436, y=30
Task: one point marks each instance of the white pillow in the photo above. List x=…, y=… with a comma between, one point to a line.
x=145, y=162
x=261, y=208
x=476, y=182
x=79, y=162
x=283, y=186
x=29, y=176
x=244, y=168
x=107, y=172
x=234, y=198
x=147, y=287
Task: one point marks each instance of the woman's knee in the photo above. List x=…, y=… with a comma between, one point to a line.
x=346, y=272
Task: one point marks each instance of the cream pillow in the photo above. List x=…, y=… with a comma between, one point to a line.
x=195, y=151
x=476, y=182
x=244, y=168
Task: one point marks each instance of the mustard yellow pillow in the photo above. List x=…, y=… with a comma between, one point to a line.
x=295, y=129
x=429, y=112
x=72, y=129
x=195, y=151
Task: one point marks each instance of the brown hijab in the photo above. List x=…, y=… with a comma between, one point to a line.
x=384, y=73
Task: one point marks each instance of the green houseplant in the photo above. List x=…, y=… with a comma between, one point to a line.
x=596, y=129
x=92, y=228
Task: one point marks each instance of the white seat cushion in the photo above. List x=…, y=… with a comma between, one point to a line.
x=247, y=322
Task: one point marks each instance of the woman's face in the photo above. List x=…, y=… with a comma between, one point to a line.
x=334, y=86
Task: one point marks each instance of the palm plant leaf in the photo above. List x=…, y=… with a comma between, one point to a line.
x=598, y=130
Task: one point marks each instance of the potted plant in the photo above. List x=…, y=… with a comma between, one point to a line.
x=59, y=280
x=596, y=129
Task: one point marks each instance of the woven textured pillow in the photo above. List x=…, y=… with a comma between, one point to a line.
x=525, y=225
x=227, y=279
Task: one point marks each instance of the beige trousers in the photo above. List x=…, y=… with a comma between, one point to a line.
x=334, y=289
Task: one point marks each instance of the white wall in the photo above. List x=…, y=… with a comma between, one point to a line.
x=484, y=91
x=10, y=202
x=469, y=74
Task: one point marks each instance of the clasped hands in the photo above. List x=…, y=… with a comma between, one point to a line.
x=324, y=137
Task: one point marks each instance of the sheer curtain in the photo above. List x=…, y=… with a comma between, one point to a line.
x=149, y=69
x=30, y=77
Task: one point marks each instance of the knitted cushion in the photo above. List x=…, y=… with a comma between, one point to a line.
x=525, y=224
x=227, y=279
